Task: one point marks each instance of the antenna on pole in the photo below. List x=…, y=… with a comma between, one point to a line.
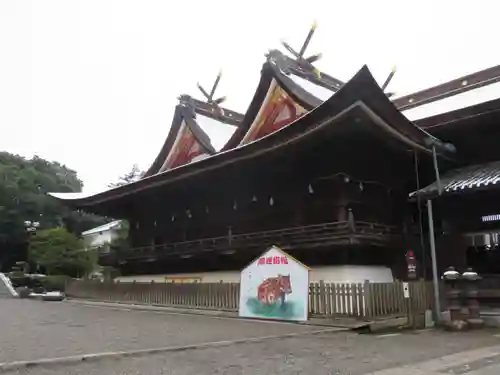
x=305, y=63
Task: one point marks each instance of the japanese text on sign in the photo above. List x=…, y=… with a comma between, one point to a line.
x=272, y=260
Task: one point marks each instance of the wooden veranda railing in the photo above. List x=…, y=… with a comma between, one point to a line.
x=365, y=301
x=327, y=233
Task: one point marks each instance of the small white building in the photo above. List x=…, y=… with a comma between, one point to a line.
x=100, y=237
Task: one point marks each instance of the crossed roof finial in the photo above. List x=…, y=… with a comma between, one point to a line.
x=305, y=63
x=210, y=97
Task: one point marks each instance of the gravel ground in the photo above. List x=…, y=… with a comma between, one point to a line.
x=336, y=353
x=33, y=329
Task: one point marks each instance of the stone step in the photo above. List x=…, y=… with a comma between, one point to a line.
x=6, y=289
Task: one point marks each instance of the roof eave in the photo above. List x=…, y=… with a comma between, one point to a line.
x=359, y=89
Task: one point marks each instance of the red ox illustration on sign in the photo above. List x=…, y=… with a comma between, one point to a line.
x=273, y=289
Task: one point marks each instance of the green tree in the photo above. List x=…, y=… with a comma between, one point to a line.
x=134, y=175
x=120, y=242
x=60, y=252
x=24, y=184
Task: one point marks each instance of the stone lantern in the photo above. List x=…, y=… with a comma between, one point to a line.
x=471, y=293
x=451, y=278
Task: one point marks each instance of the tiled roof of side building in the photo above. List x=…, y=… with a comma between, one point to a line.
x=470, y=178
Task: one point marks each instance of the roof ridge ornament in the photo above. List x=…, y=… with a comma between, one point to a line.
x=210, y=97
x=187, y=102
x=306, y=63
x=203, y=108
x=388, y=80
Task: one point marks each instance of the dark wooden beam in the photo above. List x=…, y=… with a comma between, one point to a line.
x=221, y=114
x=323, y=79
x=445, y=90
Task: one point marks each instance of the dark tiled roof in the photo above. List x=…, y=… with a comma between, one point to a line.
x=465, y=179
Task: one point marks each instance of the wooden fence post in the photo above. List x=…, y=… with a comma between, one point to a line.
x=367, y=296
x=322, y=298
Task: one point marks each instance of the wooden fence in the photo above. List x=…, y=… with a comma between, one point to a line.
x=364, y=301
x=369, y=300
x=218, y=296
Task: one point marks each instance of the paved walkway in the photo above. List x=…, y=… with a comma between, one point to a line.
x=33, y=330
x=36, y=330
x=484, y=361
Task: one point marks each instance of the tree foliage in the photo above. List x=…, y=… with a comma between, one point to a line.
x=121, y=242
x=134, y=175
x=60, y=252
x=24, y=184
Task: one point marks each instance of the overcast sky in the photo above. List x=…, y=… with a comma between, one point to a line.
x=93, y=83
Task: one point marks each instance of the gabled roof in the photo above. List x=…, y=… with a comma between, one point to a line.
x=468, y=179
x=308, y=90
x=185, y=141
x=293, y=101
x=278, y=73
x=279, y=70
x=361, y=96
x=282, y=77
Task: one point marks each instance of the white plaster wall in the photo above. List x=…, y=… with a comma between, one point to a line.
x=351, y=274
x=332, y=274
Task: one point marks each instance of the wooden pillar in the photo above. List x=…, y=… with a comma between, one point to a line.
x=229, y=236
x=350, y=220
x=341, y=201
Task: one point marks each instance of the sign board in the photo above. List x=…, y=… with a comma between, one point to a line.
x=275, y=286
x=411, y=263
x=406, y=290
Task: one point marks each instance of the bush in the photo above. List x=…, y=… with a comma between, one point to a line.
x=55, y=283
x=25, y=281
x=19, y=280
